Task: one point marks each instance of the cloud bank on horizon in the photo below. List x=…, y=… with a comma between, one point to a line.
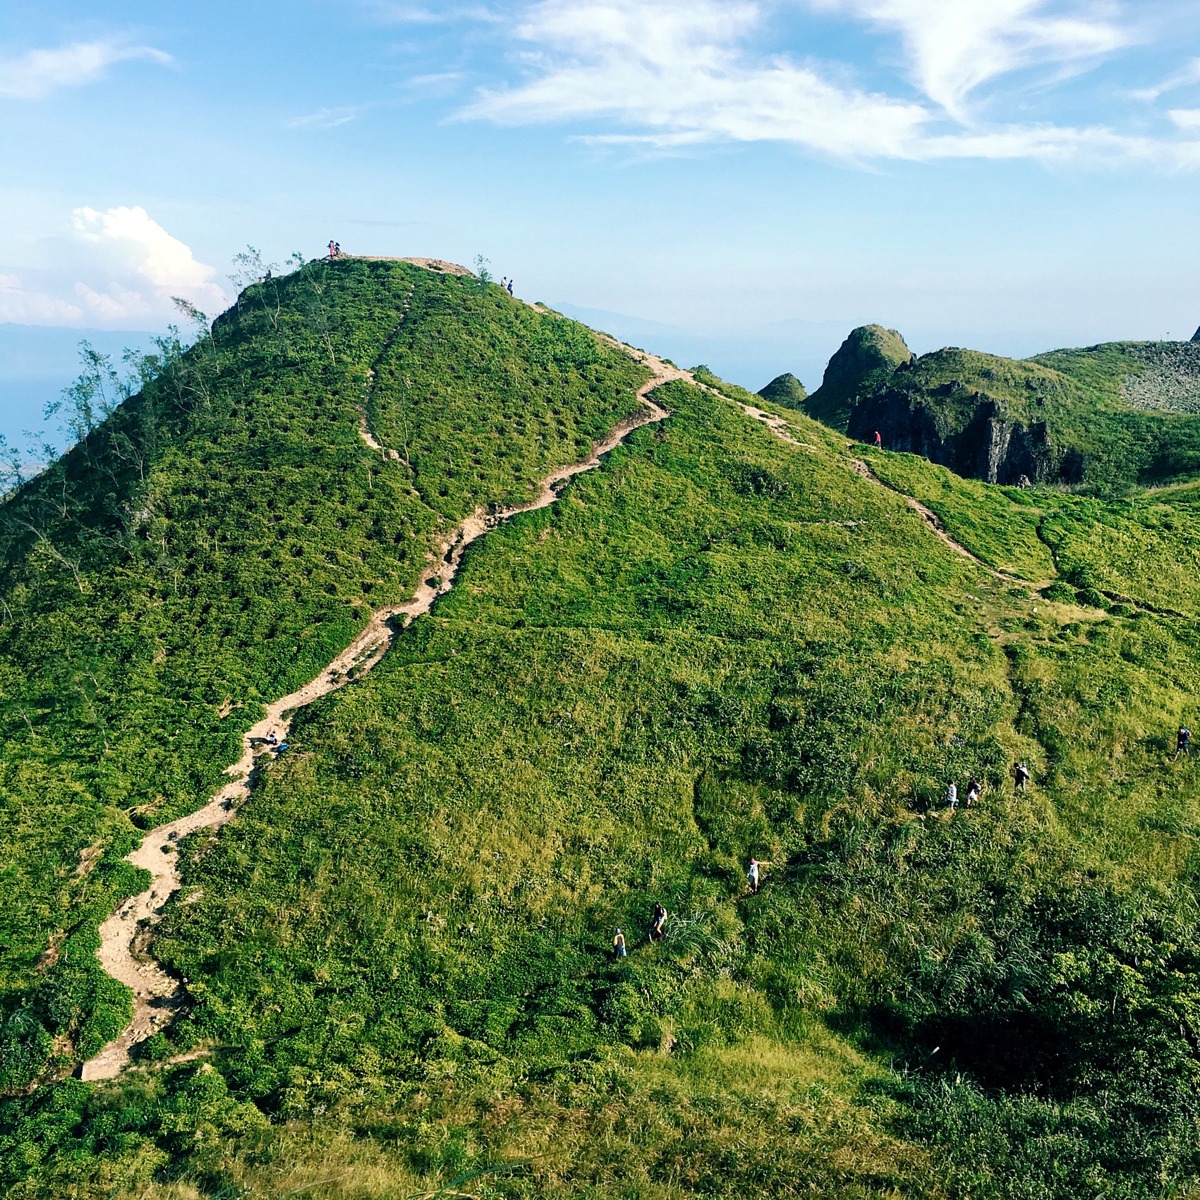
x=685, y=72
x=128, y=270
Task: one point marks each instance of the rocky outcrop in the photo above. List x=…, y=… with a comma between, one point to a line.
x=785, y=389
x=863, y=363
x=989, y=445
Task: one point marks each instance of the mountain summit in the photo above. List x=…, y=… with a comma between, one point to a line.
x=865, y=359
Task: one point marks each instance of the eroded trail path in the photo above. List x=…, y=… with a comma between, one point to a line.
x=125, y=936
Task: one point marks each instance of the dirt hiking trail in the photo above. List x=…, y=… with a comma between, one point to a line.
x=125, y=936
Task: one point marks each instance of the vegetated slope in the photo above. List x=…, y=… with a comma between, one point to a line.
x=862, y=363
x=785, y=390
x=723, y=644
x=1109, y=417
x=214, y=543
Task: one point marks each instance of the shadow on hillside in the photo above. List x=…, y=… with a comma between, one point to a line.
x=1003, y=1051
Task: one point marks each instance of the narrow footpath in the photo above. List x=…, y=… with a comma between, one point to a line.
x=125, y=936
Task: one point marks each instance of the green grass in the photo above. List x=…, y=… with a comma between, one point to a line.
x=398, y=957
x=212, y=545
x=1104, y=427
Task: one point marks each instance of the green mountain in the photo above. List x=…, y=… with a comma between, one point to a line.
x=1110, y=417
x=392, y=968
x=864, y=360
x=785, y=390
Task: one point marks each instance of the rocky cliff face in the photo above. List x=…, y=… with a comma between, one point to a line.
x=989, y=445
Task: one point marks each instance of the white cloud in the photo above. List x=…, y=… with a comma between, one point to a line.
x=1186, y=118
x=955, y=46
x=327, y=118
x=140, y=247
x=27, y=306
x=1185, y=77
x=116, y=267
x=38, y=73
x=670, y=74
x=673, y=66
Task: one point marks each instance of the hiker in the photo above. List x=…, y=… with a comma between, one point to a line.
x=657, y=922
x=332, y=248
x=752, y=874
x=952, y=797
x=1182, y=740
x=972, y=792
x=337, y=249
x=272, y=739
x=504, y=283
x=1020, y=776
x=510, y=287
x=878, y=440
x=619, y=944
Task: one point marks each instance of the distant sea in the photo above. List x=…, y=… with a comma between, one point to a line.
x=37, y=362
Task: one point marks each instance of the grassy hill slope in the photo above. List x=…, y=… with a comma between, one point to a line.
x=720, y=645
x=215, y=542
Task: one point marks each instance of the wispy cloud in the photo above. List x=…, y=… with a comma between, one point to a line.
x=396, y=12
x=675, y=68
x=38, y=73
x=328, y=118
x=1186, y=77
x=670, y=74
x=953, y=47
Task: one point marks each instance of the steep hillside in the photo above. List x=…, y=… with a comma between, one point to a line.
x=215, y=542
x=733, y=638
x=863, y=362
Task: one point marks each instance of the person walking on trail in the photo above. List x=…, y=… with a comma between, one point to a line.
x=332, y=248
x=752, y=874
x=1020, y=776
x=510, y=287
x=952, y=797
x=657, y=922
x=878, y=440
x=972, y=792
x=619, y=945
x=504, y=283
x=272, y=739
x=1183, y=739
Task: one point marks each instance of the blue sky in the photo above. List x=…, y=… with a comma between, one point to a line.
x=736, y=180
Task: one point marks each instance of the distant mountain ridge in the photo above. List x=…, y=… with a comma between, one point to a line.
x=1110, y=416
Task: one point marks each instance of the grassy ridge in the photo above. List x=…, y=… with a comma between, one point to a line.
x=214, y=543
x=720, y=645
